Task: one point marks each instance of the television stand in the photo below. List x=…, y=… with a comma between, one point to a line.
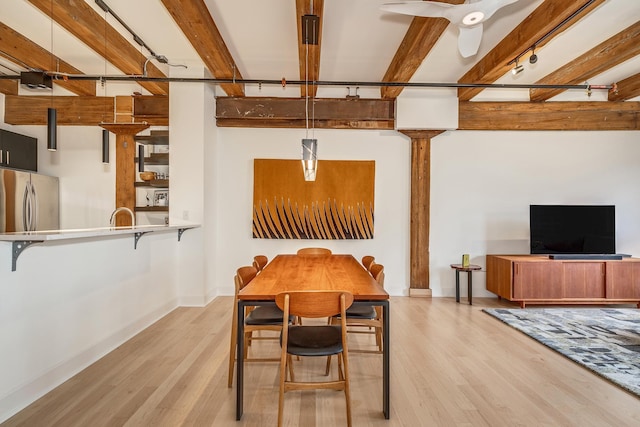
x=586, y=256
x=536, y=279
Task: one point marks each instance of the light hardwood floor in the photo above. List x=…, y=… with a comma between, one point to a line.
x=451, y=365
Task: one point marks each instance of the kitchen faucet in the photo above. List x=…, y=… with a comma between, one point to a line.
x=120, y=209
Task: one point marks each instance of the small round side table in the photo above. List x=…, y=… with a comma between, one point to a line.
x=469, y=269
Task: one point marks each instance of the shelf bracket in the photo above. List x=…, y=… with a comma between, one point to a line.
x=17, y=248
x=180, y=231
x=137, y=237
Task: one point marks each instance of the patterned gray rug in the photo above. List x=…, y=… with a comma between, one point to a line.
x=604, y=340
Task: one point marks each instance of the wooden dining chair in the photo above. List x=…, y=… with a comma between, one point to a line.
x=259, y=262
x=314, y=340
x=367, y=261
x=367, y=316
x=314, y=252
x=260, y=318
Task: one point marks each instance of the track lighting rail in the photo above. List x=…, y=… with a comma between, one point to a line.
x=136, y=78
x=549, y=33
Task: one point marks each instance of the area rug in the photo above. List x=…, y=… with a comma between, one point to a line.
x=604, y=340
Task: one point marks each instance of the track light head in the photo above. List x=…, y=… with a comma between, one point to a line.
x=517, y=69
x=533, y=58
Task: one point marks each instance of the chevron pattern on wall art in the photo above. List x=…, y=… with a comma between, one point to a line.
x=338, y=205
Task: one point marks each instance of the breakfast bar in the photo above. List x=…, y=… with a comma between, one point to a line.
x=22, y=240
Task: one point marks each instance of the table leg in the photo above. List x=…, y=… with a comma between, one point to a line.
x=385, y=359
x=469, y=286
x=240, y=361
x=457, y=285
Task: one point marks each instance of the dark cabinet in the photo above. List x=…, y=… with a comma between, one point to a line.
x=18, y=151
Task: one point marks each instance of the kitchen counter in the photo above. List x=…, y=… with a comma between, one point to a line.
x=22, y=240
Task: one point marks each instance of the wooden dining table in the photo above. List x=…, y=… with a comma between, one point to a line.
x=296, y=273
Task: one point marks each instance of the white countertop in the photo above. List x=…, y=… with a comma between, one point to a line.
x=83, y=233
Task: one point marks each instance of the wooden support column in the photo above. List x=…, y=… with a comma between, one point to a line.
x=125, y=166
x=420, y=196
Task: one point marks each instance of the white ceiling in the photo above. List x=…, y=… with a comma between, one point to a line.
x=358, y=42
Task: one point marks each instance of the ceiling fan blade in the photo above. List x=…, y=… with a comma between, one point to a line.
x=489, y=7
x=430, y=9
x=469, y=40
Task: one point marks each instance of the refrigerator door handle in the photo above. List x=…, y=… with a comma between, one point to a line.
x=34, y=208
x=26, y=208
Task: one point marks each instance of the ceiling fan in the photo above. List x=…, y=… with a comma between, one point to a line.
x=468, y=17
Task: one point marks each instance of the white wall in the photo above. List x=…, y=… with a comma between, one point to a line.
x=482, y=184
x=234, y=195
x=189, y=119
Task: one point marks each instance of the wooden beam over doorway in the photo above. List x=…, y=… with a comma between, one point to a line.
x=328, y=113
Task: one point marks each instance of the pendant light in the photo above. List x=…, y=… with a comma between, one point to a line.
x=141, y=158
x=309, y=158
x=105, y=146
x=52, y=114
x=309, y=145
x=52, y=129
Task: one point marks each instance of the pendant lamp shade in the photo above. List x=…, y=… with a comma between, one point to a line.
x=105, y=146
x=140, y=158
x=52, y=129
x=309, y=158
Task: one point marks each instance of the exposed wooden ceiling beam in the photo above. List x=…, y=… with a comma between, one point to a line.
x=380, y=114
x=9, y=87
x=16, y=47
x=626, y=89
x=309, y=54
x=88, y=26
x=87, y=110
x=549, y=115
x=72, y=110
x=542, y=20
x=198, y=26
x=422, y=35
x=329, y=113
x=608, y=54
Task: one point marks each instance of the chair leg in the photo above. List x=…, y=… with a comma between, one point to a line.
x=247, y=339
x=283, y=372
x=232, y=345
x=290, y=363
x=328, y=368
x=347, y=392
x=379, y=338
x=340, y=363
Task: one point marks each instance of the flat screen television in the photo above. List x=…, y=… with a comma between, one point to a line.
x=572, y=229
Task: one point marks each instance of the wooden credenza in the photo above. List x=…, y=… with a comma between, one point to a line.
x=536, y=279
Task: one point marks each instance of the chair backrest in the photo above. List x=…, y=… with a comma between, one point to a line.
x=367, y=261
x=259, y=261
x=314, y=252
x=314, y=304
x=377, y=271
x=244, y=275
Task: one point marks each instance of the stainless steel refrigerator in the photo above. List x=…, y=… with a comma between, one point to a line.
x=28, y=201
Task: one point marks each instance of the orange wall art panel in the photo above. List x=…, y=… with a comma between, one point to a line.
x=337, y=205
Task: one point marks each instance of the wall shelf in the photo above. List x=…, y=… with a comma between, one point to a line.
x=156, y=159
x=157, y=183
x=152, y=208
